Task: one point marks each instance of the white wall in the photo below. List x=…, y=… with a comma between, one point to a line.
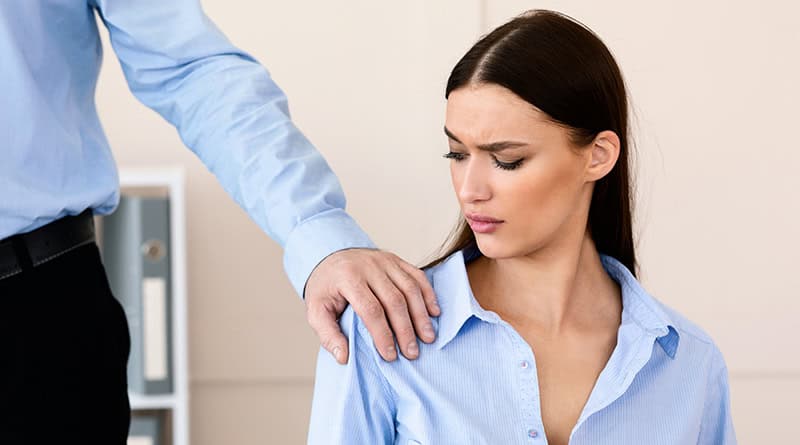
x=714, y=87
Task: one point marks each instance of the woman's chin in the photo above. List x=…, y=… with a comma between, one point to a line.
x=496, y=248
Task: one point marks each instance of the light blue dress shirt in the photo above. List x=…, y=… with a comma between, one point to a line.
x=55, y=159
x=665, y=383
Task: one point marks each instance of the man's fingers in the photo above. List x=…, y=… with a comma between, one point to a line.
x=424, y=286
x=415, y=302
x=393, y=299
x=325, y=324
x=370, y=309
x=397, y=311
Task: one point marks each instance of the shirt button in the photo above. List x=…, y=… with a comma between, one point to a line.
x=524, y=364
x=533, y=433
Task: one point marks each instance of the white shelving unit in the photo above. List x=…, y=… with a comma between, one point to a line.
x=178, y=402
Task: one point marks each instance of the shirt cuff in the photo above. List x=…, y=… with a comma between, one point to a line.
x=315, y=239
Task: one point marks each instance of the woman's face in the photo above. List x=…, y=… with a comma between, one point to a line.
x=518, y=179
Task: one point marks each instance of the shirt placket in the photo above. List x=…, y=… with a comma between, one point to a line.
x=532, y=429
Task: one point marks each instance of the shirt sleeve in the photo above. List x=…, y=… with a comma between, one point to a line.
x=230, y=112
x=717, y=424
x=353, y=403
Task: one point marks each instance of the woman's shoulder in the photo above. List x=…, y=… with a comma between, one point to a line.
x=447, y=279
x=444, y=270
x=656, y=316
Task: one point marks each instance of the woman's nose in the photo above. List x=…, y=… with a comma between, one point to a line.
x=474, y=183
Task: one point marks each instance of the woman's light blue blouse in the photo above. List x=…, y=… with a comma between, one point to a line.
x=665, y=384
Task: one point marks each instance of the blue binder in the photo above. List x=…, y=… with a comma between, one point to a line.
x=147, y=428
x=136, y=254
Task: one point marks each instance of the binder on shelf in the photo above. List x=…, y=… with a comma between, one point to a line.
x=136, y=254
x=146, y=429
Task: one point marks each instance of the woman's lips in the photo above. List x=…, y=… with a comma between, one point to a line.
x=483, y=224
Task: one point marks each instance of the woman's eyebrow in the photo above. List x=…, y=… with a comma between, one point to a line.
x=452, y=136
x=491, y=147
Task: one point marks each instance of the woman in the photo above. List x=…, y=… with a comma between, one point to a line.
x=545, y=334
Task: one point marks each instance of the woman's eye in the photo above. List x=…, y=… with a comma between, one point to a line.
x=508, y=165
x=455, y=156
x=497, y=163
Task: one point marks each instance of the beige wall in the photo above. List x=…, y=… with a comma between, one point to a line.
x=714, y=87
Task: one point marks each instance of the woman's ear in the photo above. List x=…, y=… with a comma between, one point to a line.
x=605, y=152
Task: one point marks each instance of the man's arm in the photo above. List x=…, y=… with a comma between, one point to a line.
x=230, y=112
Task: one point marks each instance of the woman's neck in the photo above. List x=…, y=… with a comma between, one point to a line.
x=562, y=289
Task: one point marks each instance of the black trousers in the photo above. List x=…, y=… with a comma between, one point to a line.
x=64, y=346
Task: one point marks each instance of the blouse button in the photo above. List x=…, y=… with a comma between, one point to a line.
x=533, y=433
x=524, y=364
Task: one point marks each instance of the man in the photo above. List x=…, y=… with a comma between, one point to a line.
x=63, y=338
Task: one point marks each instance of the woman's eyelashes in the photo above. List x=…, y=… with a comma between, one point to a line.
x=456, y=156
x=508, y=165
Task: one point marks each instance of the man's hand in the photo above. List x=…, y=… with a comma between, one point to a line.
x=383, y=289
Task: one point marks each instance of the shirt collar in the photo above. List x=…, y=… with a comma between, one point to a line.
x=458, y=304
x=451, y=283
x=639, y=307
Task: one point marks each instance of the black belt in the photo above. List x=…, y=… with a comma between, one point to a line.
x=20, y=252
